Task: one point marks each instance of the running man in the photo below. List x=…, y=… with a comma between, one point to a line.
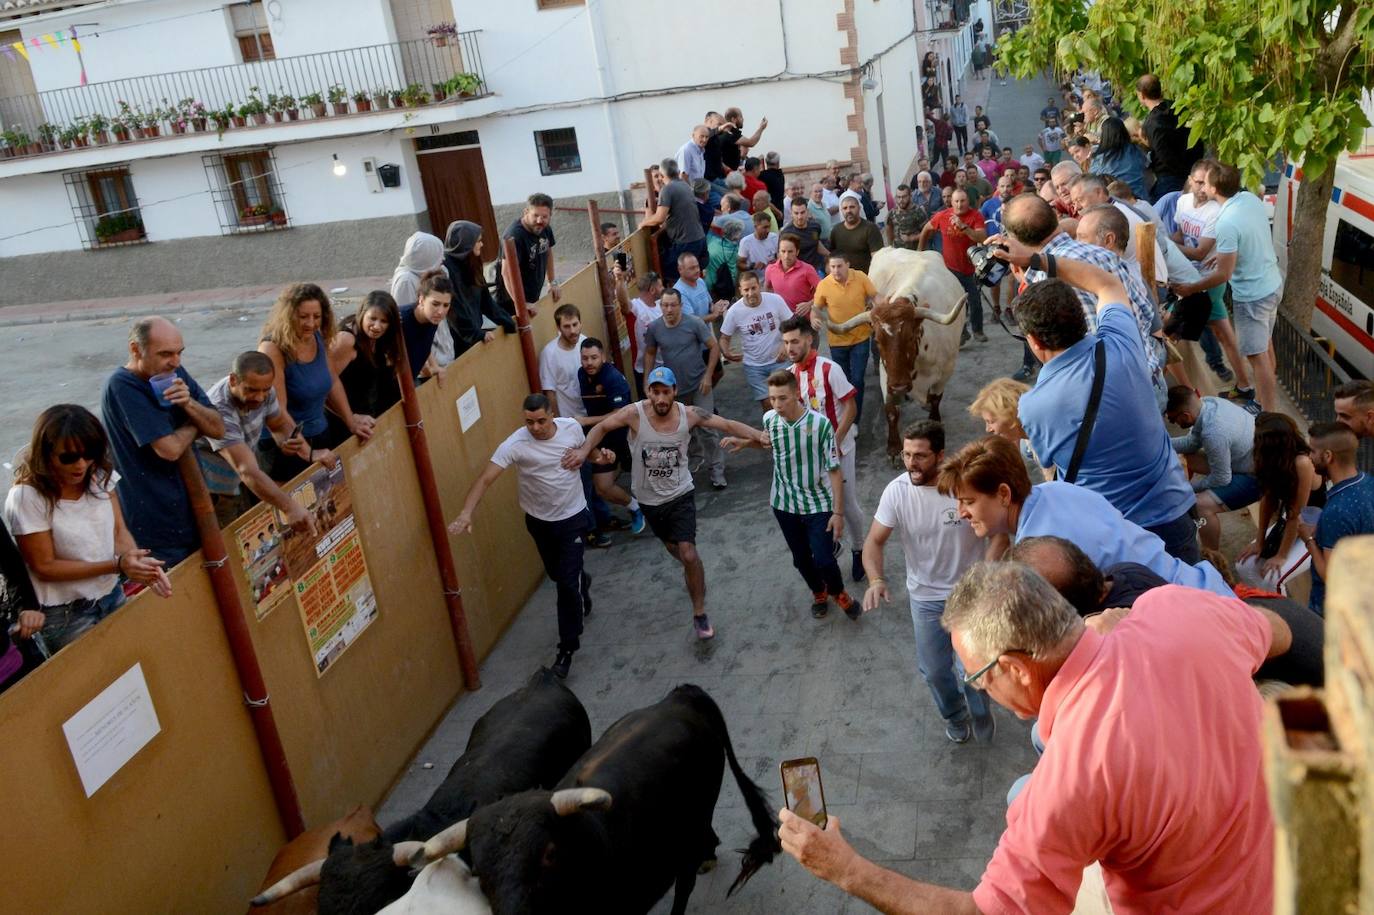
x=556, y=512
x=660, y=429
x=804, y=456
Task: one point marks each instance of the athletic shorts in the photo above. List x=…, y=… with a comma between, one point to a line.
x=1255, y=322
x=757, y=376
x=1243, y=490
x=1218, y=296
x=674, y=521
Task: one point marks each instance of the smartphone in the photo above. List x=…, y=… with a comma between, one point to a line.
x=295, y=433
x=623, y=259
x=801, y=786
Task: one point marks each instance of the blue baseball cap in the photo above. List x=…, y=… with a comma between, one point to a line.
x=662, y=375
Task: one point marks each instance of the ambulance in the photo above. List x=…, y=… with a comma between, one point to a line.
x=1344, y=311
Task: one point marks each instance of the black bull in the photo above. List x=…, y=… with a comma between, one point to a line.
x=630, y=819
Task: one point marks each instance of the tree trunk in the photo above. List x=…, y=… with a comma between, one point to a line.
x=1305, y=247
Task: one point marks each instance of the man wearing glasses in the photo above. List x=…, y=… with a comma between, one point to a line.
x=1171, y=831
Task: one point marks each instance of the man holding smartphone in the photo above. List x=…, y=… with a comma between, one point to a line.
x=938, y=546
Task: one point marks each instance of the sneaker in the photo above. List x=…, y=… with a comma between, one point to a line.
x=856, y=570
x=1239, y=395
x=718, y=481
x=984, y=727
x=980, y=336
x=1023, y=374
x=617, y=524
x=996, y=314
x=1223, y=373
x=820, y=605
x=586, y=595
x=562, y=664
x=695, y=463
x=597, y=540
x=636, y=522
x=964, y=337
x=702, y=625
x=846, y=603
x=957, y=731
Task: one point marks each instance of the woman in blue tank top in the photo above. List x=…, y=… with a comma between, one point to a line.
x=296, y=338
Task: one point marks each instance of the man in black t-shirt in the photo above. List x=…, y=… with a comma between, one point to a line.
x=534, y=250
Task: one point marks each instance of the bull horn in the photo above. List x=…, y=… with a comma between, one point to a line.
x=863, y=317
x=450, y=841
x=403, y=852
x=923, y=312
x=571, y=800
x=293, y=882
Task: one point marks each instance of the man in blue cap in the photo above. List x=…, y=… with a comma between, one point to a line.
x=660, y=429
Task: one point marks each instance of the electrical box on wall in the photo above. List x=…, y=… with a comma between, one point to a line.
x=390, y=175
x=370, y=175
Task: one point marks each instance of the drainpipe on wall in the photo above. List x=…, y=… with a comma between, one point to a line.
x=600, y=55
x=214, y=555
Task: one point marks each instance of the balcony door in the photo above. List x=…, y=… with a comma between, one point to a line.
x=454, y=180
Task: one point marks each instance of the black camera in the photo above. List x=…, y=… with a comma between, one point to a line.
x=988, y=270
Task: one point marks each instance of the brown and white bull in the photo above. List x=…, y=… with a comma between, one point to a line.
x=917, y=321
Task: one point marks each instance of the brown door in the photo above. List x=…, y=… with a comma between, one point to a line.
x=455, y=185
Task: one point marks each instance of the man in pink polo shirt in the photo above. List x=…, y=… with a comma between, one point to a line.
x=1152, y=763
x=790, y=277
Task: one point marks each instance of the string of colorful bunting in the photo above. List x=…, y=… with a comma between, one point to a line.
x=54, y=40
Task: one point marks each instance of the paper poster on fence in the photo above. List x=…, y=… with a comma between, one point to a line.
x=260, y=543
x=328, y=570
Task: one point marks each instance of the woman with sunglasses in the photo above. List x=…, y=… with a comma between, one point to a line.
x=69, y=526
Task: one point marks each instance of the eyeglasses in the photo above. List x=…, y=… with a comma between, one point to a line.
x=71, y=457
x=968, y=681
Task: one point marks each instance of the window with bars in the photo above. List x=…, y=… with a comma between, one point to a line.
x=105, y=206
x=558, y=153
x=248, y=197
x=250, y=29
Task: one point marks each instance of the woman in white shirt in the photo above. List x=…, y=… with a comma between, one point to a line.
x=64, y=514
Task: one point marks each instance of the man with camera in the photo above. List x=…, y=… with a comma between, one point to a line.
x=961, y=227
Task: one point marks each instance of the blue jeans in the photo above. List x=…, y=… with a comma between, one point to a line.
x=812, y=548
x=975, y=300
x=1211, y=349
x=1180, y=537
x=853, y=360
x=940, y=666
x=66, y=623
x=1164, y=184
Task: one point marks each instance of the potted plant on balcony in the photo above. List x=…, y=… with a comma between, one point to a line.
x=441, y=90
x=254, y=108
x=315, y=101
x=75, y=134
x=465, y=85
x=255, y=215
x=47, y=136
x=122, y=124
x=223, y=117
x=288, y=105
x=194, y=113
x=415, y=96
x=11, y=138
x=117, y=228
x=99, y=127
x=381, y=98
x=441, y=33
x=362, y=100
x=338, y=98
x=278, y=216
x=398, y=98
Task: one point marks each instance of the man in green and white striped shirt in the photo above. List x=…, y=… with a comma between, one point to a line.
x=807, y=485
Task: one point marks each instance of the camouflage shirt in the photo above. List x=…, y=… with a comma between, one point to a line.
x=907, y=222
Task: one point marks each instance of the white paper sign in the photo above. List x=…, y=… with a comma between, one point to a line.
x=468, y=409
x=112, y=727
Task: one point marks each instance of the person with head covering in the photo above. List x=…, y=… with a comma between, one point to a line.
x=472, y=298
x=423, y=252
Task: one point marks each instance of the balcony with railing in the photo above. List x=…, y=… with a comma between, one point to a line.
x=947, y=15
x=441, y=69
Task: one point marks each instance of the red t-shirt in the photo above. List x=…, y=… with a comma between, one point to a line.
x=752, y=186
x=956, y=243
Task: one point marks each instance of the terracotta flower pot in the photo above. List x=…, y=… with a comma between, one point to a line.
x=293, y=114
x=278, y=219
x=121, y=135
x=277, y=116
x=118, y=237
x=363, y=104
x=440, y=95
x=82, y=142
x=260, y=220
x=318, y=110
x=101, y=137
x=260, y=117
x=198, y=124
x=154, y=131
x=340, y=107
x=239, y=120
x=178, y=127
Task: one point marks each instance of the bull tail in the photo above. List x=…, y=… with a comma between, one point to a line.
x=765, y=846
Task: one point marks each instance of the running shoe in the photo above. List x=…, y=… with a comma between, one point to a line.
x=636, y=522
x=856, y=568
x=851, y=608
x=562, y=664
x=598, y=540
x=1238, y=394
x=702, y=625
x=980, y=336
x=959, y=731
x=1023, y=374
x=820, y=605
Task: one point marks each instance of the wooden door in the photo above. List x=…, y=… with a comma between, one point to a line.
x=455, y=186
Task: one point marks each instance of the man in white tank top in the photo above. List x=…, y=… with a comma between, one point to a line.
x=660, y=429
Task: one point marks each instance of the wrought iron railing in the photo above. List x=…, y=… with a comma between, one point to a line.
x=1309, y=373
x=402, y=74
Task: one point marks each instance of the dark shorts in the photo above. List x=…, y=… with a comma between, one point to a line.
x=674, y=521
x=622, y=458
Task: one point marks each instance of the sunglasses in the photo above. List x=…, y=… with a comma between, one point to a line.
x=71, y=457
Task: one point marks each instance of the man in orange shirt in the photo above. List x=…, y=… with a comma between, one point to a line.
x=1153, y=763
x=844, y=293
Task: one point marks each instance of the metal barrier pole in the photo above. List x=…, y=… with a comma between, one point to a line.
x=434, y=518
x=245, y=658
x=609, y=307
x=510, y=271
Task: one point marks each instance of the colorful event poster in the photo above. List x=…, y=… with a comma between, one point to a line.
x=259, y=542
x=328, y=569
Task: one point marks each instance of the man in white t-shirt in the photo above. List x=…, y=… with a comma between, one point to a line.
x=1030, y=158
x=760, y=249
x=555, y=508
x=758, y=315
x=645, y=310
x=559, y=361
x=1051, y=141
x=938, y=546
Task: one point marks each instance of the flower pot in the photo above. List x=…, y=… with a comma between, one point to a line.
x=66, y=144
x=277, y=116
x=82, y=142
x=318, y=110
x=363, y=104
x=466, y=93
x=381, y=102
x=35, y=149
x=238, y=120
x=397, y=100
x=118, y=237
x=9, y=152
x=340, y=107
x=101, y=137
x=178, y=127
x=440, y=95
x=440, y=41
x=260, y=117
x=121, y=134
x=293, y=114
x=154, y=131
x=261, y=220
x=278, y=219
x=198, y=124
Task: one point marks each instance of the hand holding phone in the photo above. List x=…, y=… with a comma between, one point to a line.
x=801, y=787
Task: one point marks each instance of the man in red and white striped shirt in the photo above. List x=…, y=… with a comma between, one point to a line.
x=824, y=388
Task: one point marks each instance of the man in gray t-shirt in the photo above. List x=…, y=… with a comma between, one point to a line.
x=683, y=343
x=677, y=212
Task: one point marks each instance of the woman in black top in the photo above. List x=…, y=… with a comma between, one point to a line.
x=471, y=298
x=364, y=355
